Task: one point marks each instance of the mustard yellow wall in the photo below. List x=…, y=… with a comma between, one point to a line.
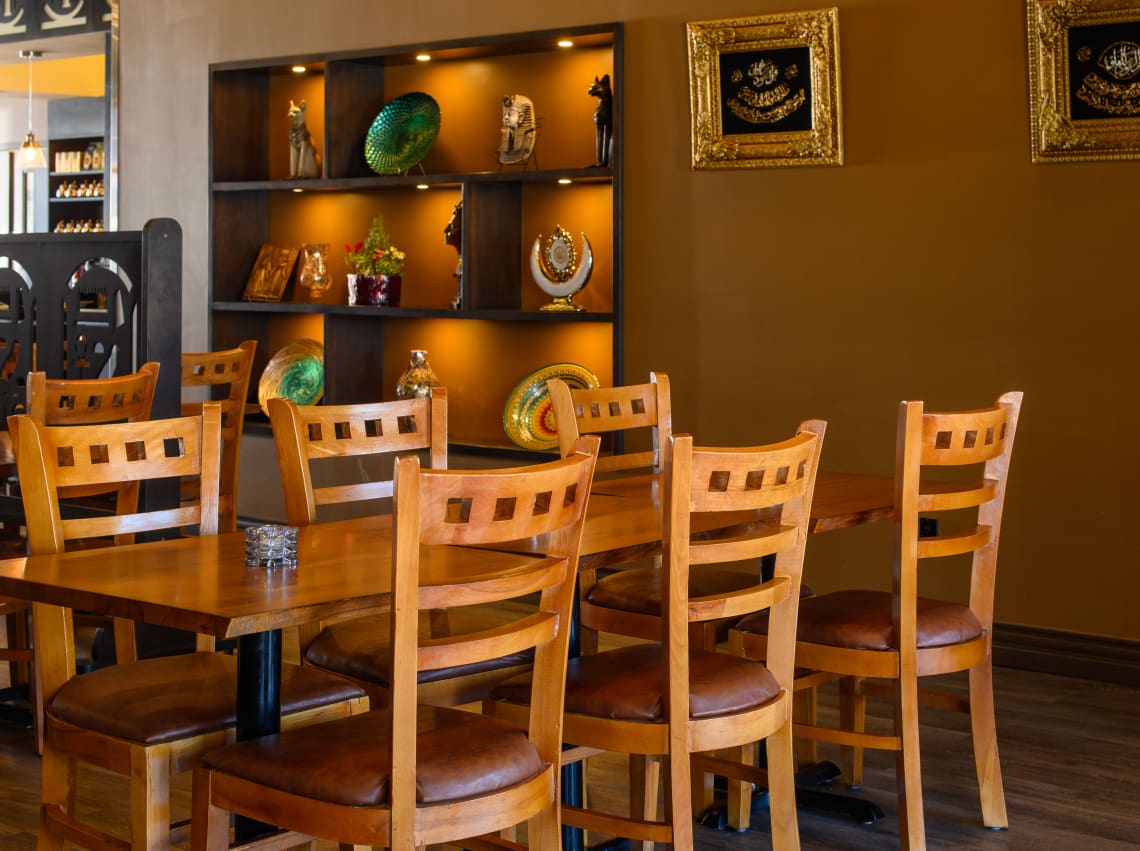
x=938, y=263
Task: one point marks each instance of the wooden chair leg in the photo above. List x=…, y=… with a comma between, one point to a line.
x=150, y=798
x=644, y=788
x=543, y=830
x=679, y=799
x=804, y=711
x=908, y=766
x=782, y=790
x=211, y=824
x=740, y=792
x=588, y=641
x=852, y=716
x=57, y=790
x=984, y=731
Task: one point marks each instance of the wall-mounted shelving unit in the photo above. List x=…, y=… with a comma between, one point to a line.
x=499, y=335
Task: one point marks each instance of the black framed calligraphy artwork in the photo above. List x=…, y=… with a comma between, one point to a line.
x=1084, y=58
x=764, y=91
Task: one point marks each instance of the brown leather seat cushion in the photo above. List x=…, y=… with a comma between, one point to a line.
x=161, y=700
x=638, y=589
x=861, y=620
x=358, y=648
x=458, y=755
x=628, y=683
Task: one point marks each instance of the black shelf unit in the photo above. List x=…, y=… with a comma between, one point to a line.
x=499, y=335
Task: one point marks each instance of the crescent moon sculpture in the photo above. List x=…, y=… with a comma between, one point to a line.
x=557, y=269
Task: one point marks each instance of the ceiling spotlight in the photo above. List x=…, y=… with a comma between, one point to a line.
x=299, y=69
x=423, y=57
x=565, y=42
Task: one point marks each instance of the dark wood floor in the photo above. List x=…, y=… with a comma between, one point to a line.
x=1070, y=753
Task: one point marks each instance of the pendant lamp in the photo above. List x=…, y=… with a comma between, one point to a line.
x=31, y=154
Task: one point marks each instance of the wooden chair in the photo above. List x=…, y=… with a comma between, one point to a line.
x=147, y=719
x=628, y=601
x=900, y=636
x=413, y=775
x=673, y=700
x=308, y=440
x=232, y=368
x=79, y=401
x=637, y=408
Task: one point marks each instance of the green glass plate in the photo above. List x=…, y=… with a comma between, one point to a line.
x=528, y=416
x=296, y=372
x=402, y=134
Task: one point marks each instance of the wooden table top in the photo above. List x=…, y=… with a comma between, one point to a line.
x=203, y=585
x=842, y=500
x=623, y=522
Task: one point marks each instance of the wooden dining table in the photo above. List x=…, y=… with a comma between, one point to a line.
x=202, y=584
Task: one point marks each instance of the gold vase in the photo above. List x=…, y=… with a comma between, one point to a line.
x=418, y=379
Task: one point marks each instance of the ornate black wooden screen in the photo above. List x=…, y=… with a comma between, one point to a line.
x=91, y=305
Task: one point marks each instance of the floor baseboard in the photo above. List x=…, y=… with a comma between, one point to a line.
x=1071, y=654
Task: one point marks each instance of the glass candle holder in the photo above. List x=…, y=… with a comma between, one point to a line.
x=271, y=546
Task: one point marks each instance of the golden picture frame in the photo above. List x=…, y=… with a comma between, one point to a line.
x=1084, y=80
x=764, y=91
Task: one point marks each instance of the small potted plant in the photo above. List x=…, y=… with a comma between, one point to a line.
x=377, y=268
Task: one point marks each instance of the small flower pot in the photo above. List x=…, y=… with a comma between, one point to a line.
x=383, y=290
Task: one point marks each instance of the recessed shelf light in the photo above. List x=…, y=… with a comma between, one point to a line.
x=423, y=57
x=565, y=42
x=298, y=189
x=299, y=69
x=421, y=186
x=565, y=181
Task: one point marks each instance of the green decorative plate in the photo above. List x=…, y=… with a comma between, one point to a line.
x=402, y=133
x=528, y=416
x=296, y=372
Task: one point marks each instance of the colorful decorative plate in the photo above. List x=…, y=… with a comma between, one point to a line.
x=296, y=372
x=402, y=134
x=528, y=416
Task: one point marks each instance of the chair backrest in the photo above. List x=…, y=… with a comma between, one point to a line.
x=434, y=509
x=776, y=480
x=51, y=460
x=611, y=409
x=969, y=513
x=80, y=401
x=87, y=401
x=232, y=368
x=304, y=435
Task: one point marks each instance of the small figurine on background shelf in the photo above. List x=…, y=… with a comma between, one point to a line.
x=302, y=153
x=603, y=120
x=453, y=236
x=519, y=131
x=558, y=270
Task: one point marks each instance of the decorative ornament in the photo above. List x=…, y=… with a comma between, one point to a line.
x=603, y=121
x=296, y=372
x=402, y=134
x=557, y=269
x=314, y=270
x=418, y=379
x=303, y=158
x=519, y=131
x=528, y=415
x=453, y=236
